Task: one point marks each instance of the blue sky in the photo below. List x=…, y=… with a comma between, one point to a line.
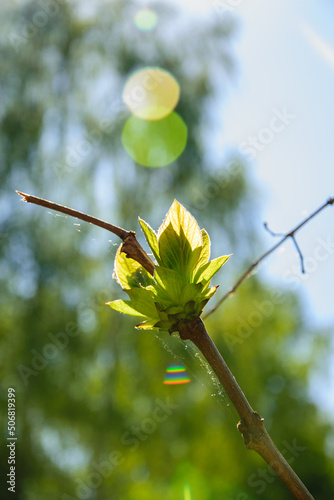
x=285, y=67
x=286, y=61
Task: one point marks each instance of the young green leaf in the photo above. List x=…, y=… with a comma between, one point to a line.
x=178, y=217
x=170, y=281
x=150, y=325
x=143, y=301
x=177, y=253
x=180, y=287
x=172, y=256
x=208, y=270
x=190, y=292
x=180, y=240
x=209, y=292
x=205, y=252
x=125, y=307
x=129, y=273
x=151, y=239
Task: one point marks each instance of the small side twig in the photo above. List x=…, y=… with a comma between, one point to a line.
x=294, y=241
x=290, y=234
x=267, y=228
x=300, y=254
x=131, y=247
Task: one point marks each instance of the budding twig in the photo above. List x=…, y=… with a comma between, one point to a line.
x=290, y=234
x=251, y=424
x=134, y=250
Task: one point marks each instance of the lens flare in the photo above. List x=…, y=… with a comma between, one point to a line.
x=146, y=19
x=176, y=374
x=155, y=143
x=151, y=93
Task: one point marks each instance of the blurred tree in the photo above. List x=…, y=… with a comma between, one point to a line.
x=94, y=419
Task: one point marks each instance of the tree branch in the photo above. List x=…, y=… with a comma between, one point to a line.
x=290, y=234
x=251, y=424
x=130, y=247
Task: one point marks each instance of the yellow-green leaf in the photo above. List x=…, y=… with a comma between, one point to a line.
x=205, y=252
x=148, y=325
x=208, y=270
x=178, y=217
x=151, y=239
x=190, y=292
x=180, y=287
x=210, y=292
x=124, y=306
x=170, y=281
x=143, y=301
x=180, y=241
x=129, y=273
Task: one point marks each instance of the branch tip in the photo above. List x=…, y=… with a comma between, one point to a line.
x=267, y=228
x=24, y=196
x=299, y=253
x=131, y=245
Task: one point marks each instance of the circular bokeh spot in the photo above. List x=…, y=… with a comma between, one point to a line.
x=151, y=93
x=146, y=19
x=155, y=143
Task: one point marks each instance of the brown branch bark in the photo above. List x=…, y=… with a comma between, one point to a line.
x=290, y=234
x=131, y=247
x=251, y=424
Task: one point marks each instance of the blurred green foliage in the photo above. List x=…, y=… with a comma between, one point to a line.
x=94, y=419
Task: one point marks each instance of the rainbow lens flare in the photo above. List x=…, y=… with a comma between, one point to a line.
x=176, y=374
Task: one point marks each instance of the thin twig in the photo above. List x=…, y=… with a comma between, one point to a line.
x=130, y=247
x=300, y=254
x=290, y=234
x=121, y=233
x=294, y=241
x=267, y=228
x=251, y=424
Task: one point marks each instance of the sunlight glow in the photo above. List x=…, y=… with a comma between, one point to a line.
x=322, y=47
